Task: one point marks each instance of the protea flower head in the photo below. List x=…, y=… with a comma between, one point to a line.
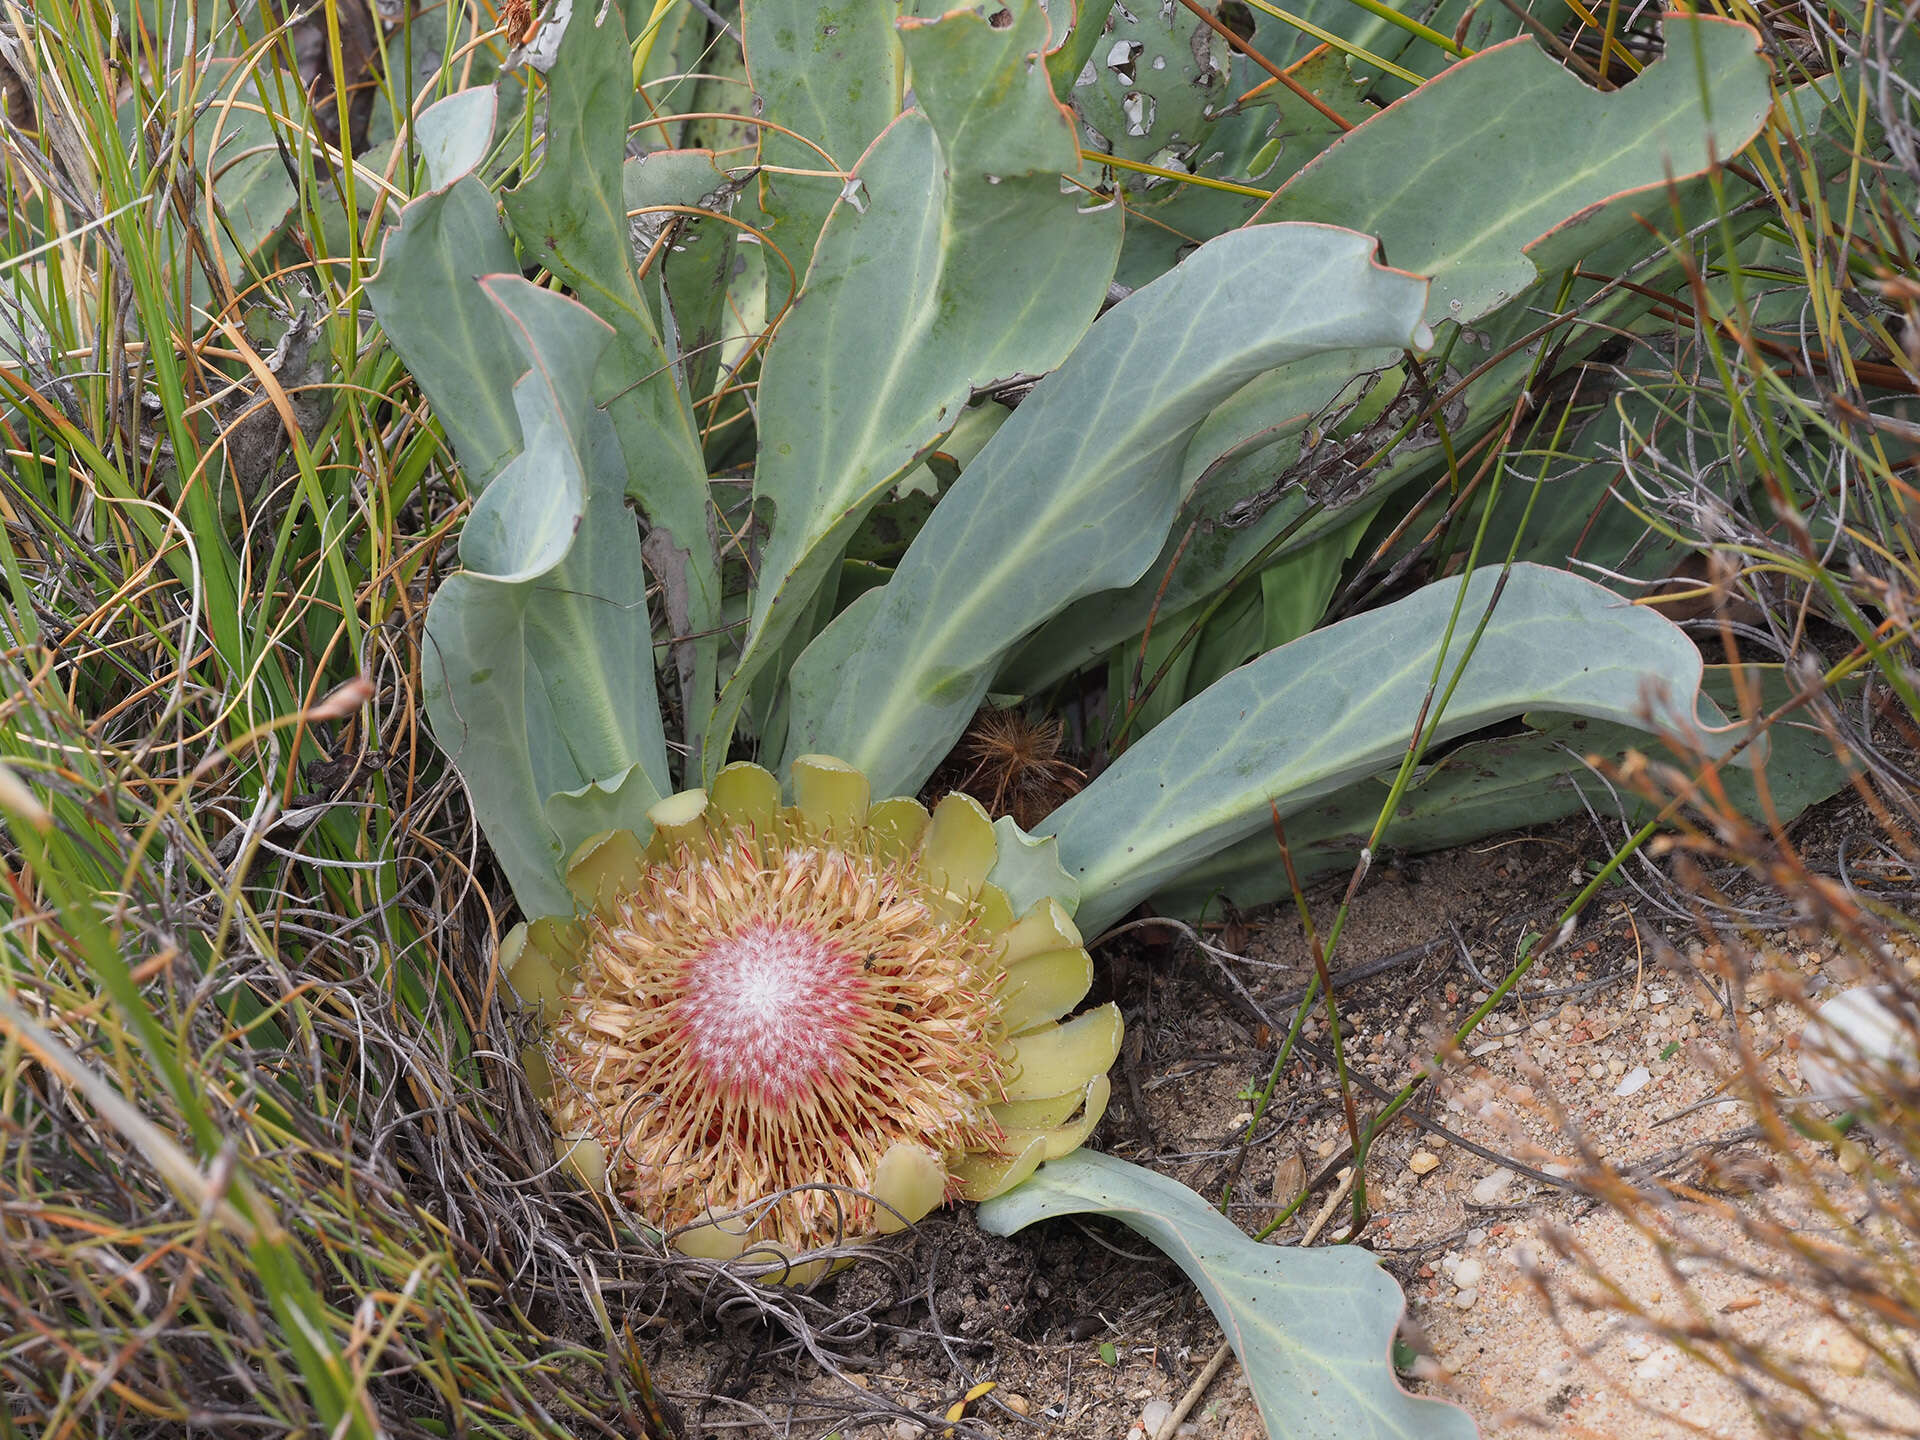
x=826, y=995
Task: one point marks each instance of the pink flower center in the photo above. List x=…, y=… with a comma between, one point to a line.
x=767, y=1010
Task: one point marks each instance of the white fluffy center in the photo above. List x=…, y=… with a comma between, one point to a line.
x=768, y=1009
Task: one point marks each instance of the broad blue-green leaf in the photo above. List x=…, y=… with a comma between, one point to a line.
x=958, y=260
x=1244, y=480
x=829, y=74
x=1485, y=787
x=1460, y=177
x=1074, y=494
x=454, y=134
x=451, y=335
x=539, y=655
x=1312, y=1327
x=1337, y=705
x=570, y=217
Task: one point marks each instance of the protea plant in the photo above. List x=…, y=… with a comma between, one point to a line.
x=826, y=1002
x=770, y=1013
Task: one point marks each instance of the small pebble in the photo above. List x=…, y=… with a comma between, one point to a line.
x=1017, y=1403
x=1466, y=1299
x=1636, y=1078
x=1422, y=1161
x=1488, y=1189
x=1154, y=1414
x=1657, y=1366
x=905, y=1430
x=1476, y=1237
x=1469, y=1275
x=1846, y=1355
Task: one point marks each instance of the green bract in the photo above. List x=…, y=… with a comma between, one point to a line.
x=850, y=561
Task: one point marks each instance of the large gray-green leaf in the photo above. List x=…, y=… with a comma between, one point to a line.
x=1336, y=705
x=1312, y=1327
x=957, y=260
x=1505, y=782
x=1253, y=483
x=453, y=134
x=571, y=217
x=829, y=74
x=539, y=655
x=444, y=326
x=1460, y=177
x=1074, y=494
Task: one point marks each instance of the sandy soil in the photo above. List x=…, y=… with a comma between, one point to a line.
x=1087, y=1332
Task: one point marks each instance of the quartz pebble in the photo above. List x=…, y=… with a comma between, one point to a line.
x=1846, y=1355
x=1636, y=1077
x=1488, y=1189
x=1154, y=1414
x=1421, y=1161
x=1469, y=1274
x=1466, y=1299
